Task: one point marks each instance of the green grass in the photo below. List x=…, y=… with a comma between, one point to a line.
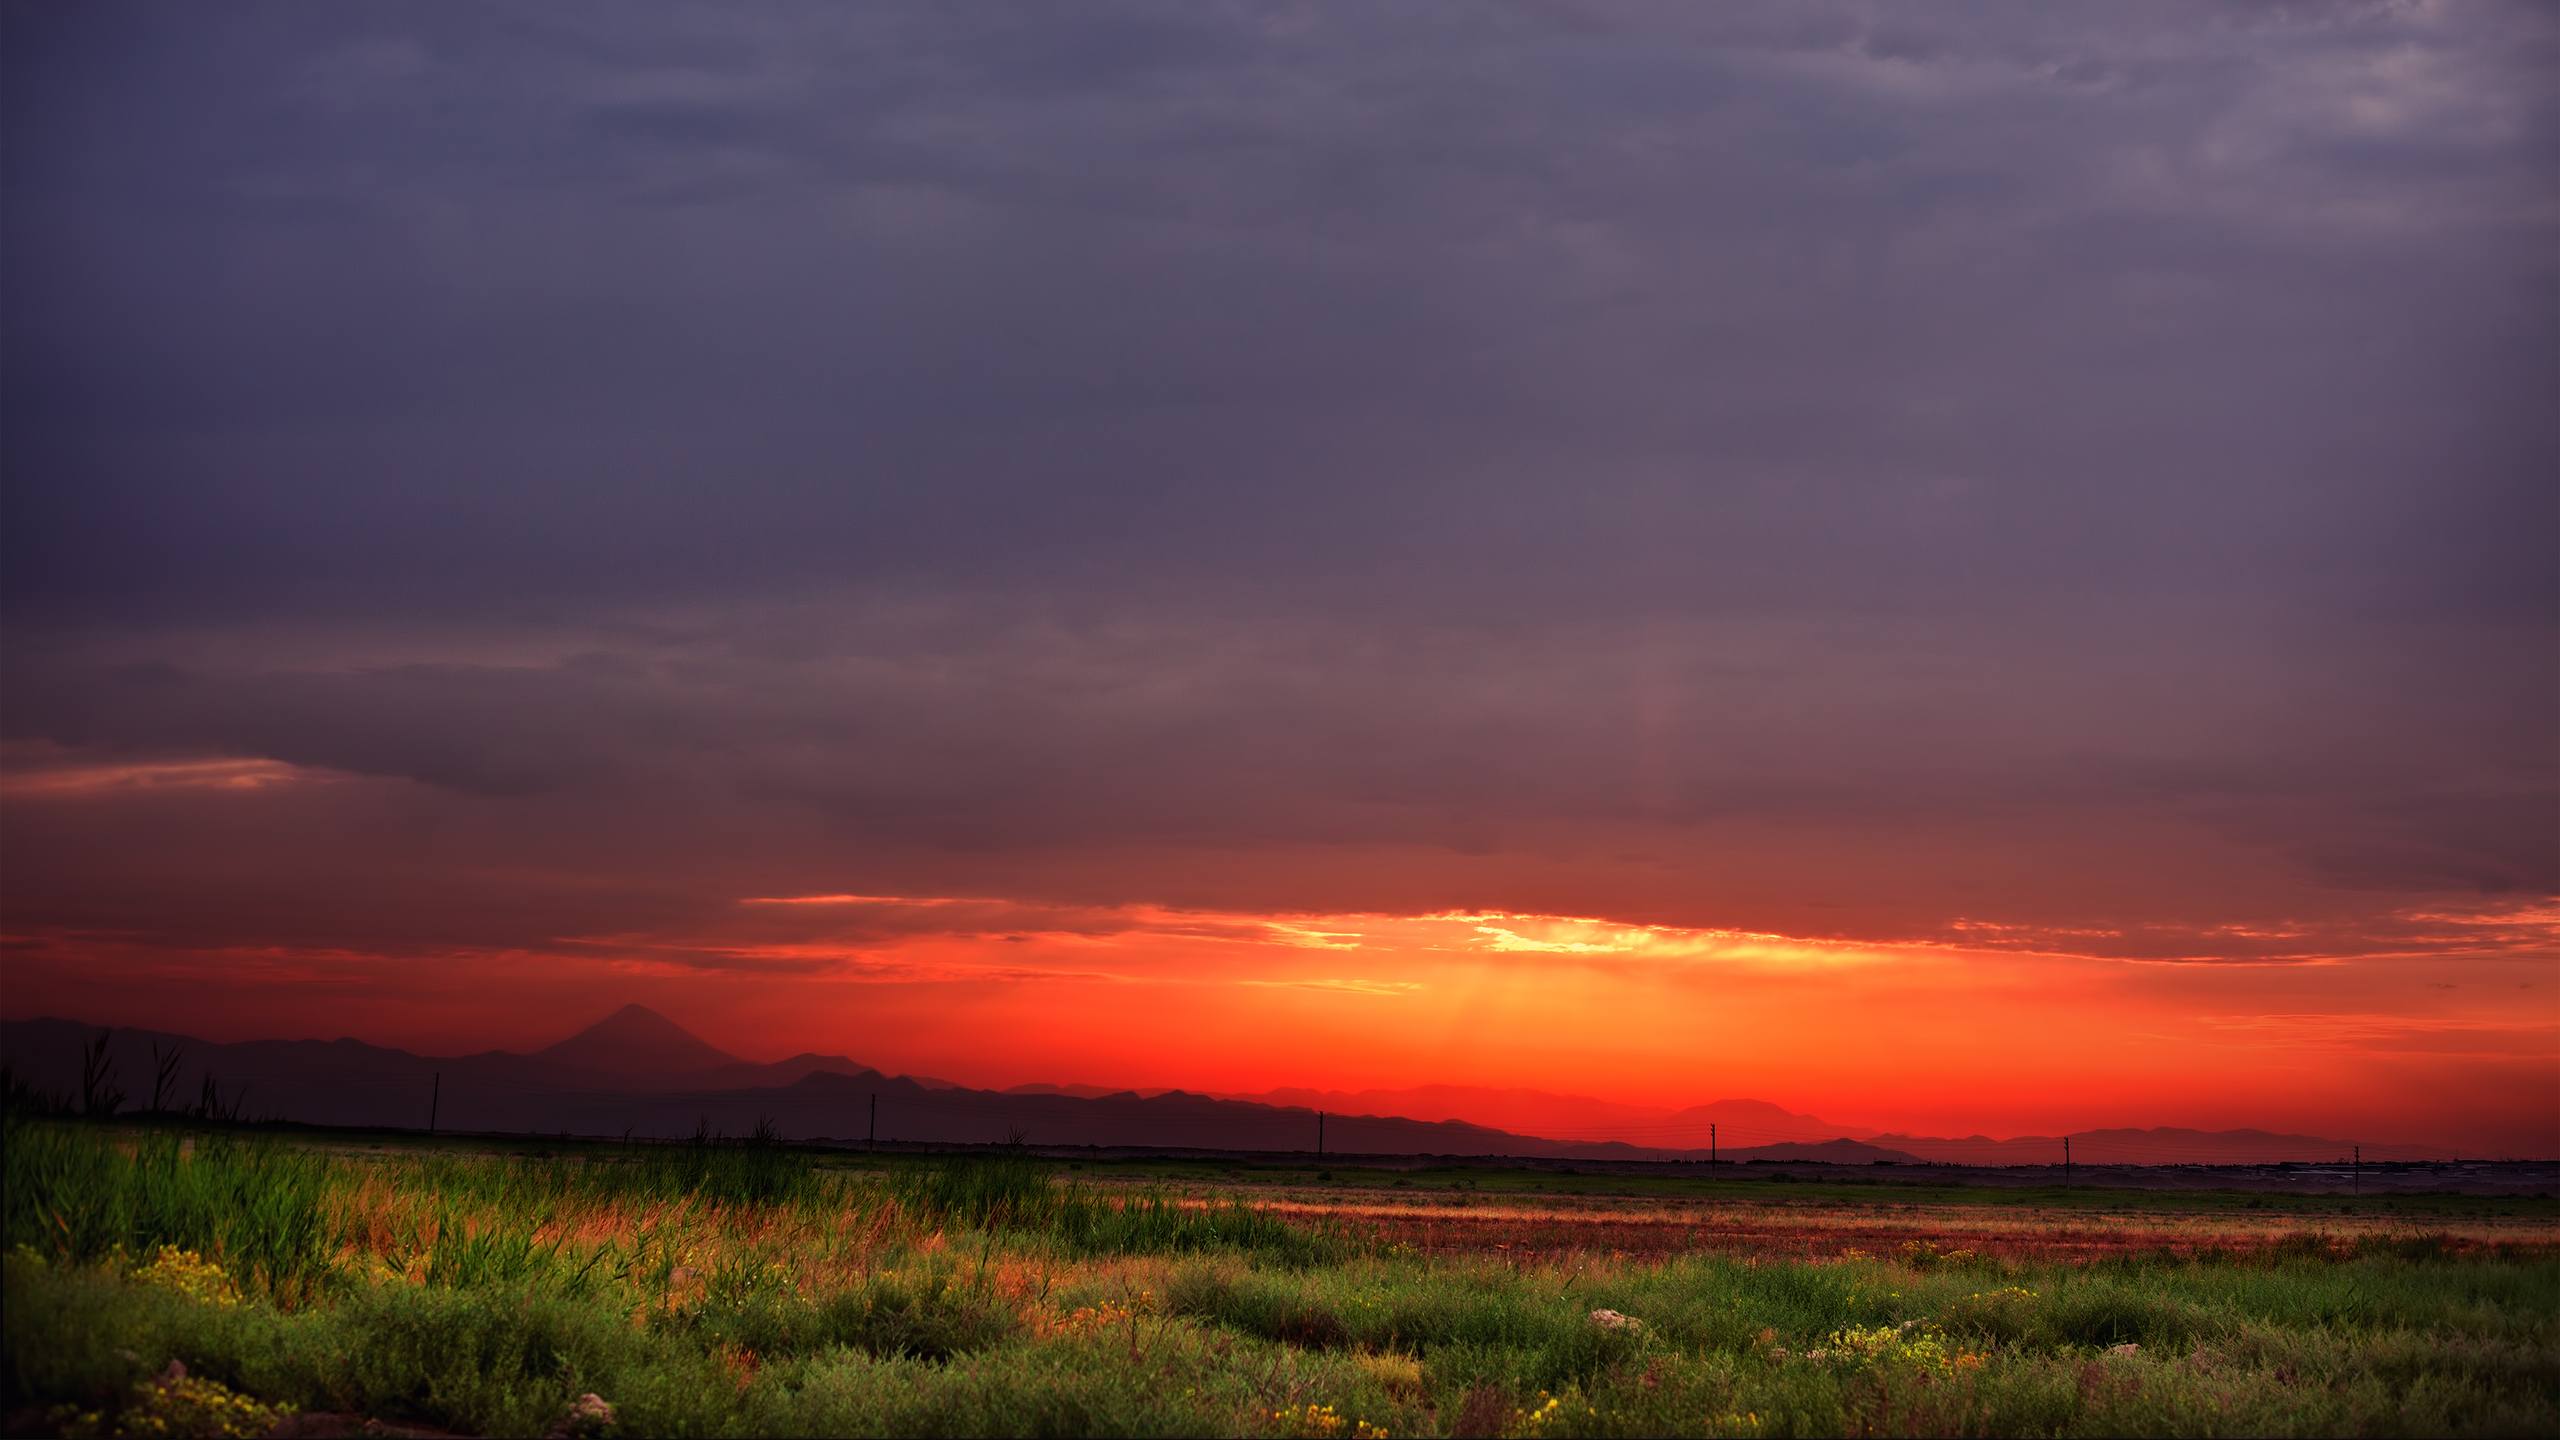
x=1019, y=1196
x=69, y=1193
x=735, y=1289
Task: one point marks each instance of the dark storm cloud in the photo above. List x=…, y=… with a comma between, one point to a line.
x=1764, y=443
x=1879, y=778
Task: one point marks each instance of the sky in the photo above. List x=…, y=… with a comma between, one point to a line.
x=1966, y=567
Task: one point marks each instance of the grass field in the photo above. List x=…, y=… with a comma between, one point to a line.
x=749, y=1288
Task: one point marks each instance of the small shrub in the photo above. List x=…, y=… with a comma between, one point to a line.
x=176, y=1404
x=927, y=1318
x=1912, y=1346
x=2115, y=1314
x=191, y=1275
x=1309, y=1326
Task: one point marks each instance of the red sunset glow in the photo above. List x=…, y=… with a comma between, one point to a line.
x=1998, y=1028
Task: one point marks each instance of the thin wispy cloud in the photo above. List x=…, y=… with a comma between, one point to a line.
x=1388, y=989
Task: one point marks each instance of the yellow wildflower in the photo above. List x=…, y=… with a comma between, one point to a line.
x=191, y=1275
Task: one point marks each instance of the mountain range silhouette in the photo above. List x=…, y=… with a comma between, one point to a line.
x=637, y=1072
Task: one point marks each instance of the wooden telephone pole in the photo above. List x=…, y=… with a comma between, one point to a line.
x=2066, y=1159
x=1319, y=1134
x=435, y=1101
x=871, y=1137
x=1711, y=1142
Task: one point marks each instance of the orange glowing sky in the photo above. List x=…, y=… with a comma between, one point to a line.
x=1988, y=1026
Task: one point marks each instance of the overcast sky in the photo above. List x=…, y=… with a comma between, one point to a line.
x=481, y=479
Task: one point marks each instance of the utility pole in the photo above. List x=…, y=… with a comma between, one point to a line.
x=2066, y=1159
x=435, y=1101
x=1319, y=1134
x=1711, y=1142
x=2357, y=1181
x=872, y=1138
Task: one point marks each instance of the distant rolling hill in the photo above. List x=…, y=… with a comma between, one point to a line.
x=637, y=1072
x=1083, y=1092
x=2165, y=1145
x=1739, y=1124
x=634, y=1052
